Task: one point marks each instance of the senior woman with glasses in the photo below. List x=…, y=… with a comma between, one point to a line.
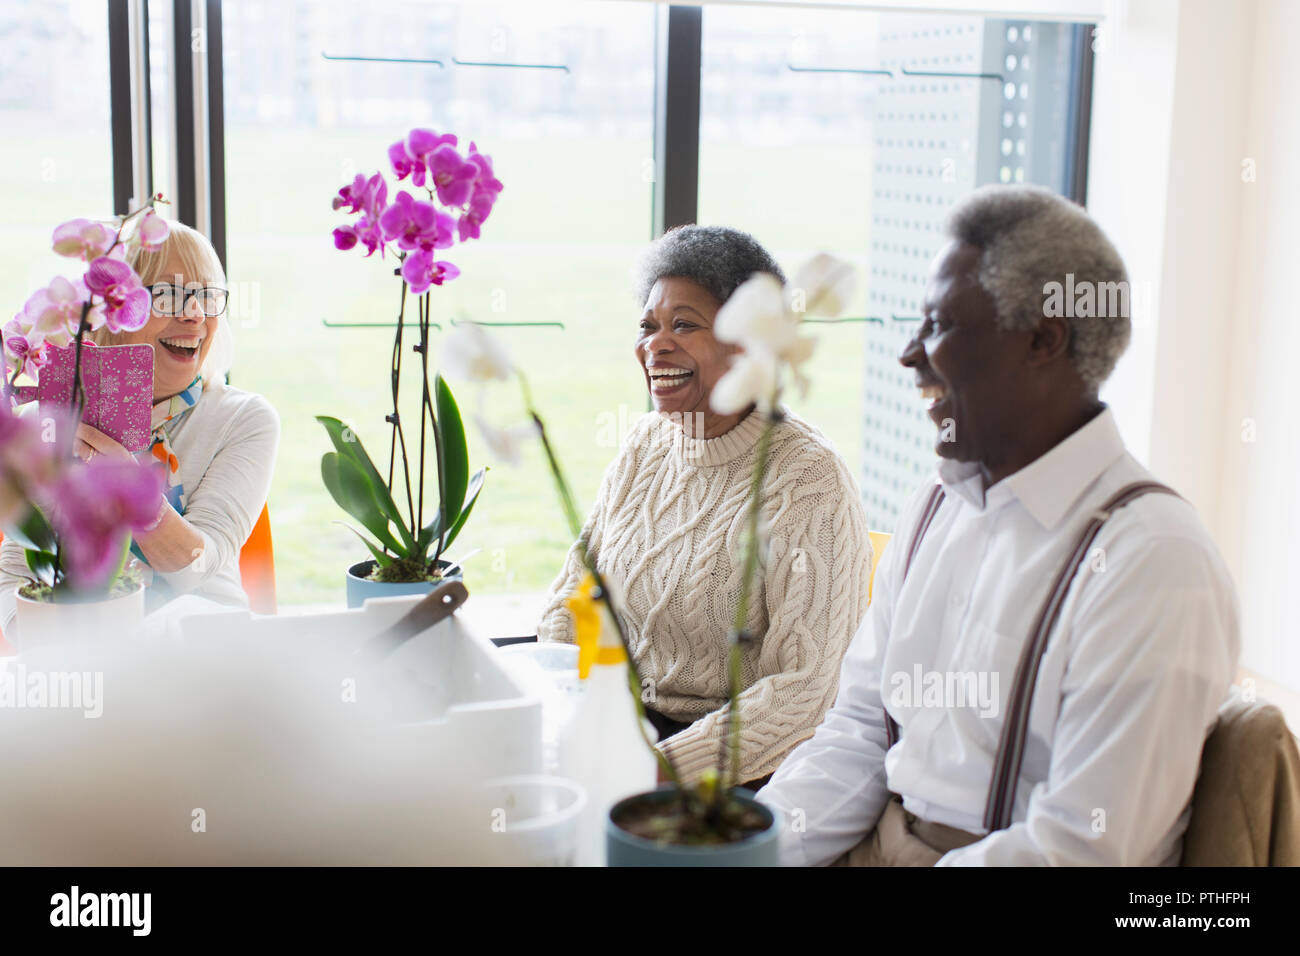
x=667, y=528
x=217, y=444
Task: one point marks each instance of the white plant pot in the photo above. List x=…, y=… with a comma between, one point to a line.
x=48, y=622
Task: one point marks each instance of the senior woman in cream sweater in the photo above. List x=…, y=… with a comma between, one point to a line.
x=667, y=528
x=217, y=444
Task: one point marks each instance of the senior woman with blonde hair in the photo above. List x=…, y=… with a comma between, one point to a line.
x=667, y=527
x=217, y=444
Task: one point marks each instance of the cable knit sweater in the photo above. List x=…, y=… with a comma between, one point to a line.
x=667, y=531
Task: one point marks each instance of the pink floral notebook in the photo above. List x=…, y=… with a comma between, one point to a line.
x=118, y=380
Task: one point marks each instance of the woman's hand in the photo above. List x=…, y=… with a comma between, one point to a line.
x=91, y=442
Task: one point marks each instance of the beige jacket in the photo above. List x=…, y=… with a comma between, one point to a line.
x=1246, y=807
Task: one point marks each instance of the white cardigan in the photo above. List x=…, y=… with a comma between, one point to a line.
x=226, y=446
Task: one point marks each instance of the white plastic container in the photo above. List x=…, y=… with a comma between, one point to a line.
x=550, y=672
x=474, y=718
x=603, y=748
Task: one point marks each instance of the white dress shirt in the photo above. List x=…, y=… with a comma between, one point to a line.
x=1133, y=675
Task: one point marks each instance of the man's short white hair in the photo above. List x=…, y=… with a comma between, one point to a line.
x=1031, y=238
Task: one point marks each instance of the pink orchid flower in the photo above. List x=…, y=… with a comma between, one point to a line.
x=98, y=504
x=83, y=239
x=364, y=195
x=34, y=452
x=16, y=345
x=371, y=236
x=345, y=237
x=410, y=156
x=24, y=349
x=126, y=301
x=420, y=271
x=26, y=464
x=152, y=232
x=443, y=271
x=365, y=230
x=351, y=195
x=416, y=224
x=480, y=204
x=52, y=314
x=486, y=178
x=453, y=176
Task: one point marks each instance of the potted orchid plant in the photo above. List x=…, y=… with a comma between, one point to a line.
x=713, y=821
x=74, y=519
x=459, y=193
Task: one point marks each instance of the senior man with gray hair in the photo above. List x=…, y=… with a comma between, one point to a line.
x=1051, y=631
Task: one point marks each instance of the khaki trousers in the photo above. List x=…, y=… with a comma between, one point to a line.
x=903, y=839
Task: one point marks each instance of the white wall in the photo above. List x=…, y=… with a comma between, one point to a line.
x=1185, y=91
x=1128, y=174
x=1259, y=515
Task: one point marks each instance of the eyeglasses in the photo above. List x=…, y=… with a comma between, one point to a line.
x=171, y=299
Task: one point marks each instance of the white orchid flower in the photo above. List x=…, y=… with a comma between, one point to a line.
x=751, y=380
x=472, y=355
x=822, y=286
x=756, y=317
x=795, y=357
x=759, y=318
x=505, y=444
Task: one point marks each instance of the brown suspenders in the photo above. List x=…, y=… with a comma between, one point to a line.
x=1011, y=743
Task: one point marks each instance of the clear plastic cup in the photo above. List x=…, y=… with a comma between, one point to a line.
x=533, y=819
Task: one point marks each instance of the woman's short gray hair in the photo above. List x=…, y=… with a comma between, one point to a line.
x=1033, y=238
x=715, y=257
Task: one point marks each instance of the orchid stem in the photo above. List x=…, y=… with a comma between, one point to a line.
x=78, y=406
x=394, y=378
x=423, y=307
x=729, y=759
x=398, y=434
x=437, y=436
x=575, y=527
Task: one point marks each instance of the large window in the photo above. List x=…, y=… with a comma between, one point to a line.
x=54, y=134
x=853, y=132
x=786, y=154
x=846, y=131
x=570, y=136
x=819, y=129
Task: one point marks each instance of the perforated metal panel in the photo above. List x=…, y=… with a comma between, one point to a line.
x=937, y=138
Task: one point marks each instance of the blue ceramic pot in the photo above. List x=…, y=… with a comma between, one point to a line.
x=359, y=589
x=627, y=849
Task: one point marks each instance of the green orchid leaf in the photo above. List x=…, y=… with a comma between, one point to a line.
x=428, y=533
x=347, y=484
x=383, y=560
x=348, y=445
x=453, y=476
x=33, y=532
x=42, y=564
x=475, y=486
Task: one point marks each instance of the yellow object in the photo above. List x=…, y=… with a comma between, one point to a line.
x=878, y=541
x=587, y=629
x=586, y=623
x=610, y=655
